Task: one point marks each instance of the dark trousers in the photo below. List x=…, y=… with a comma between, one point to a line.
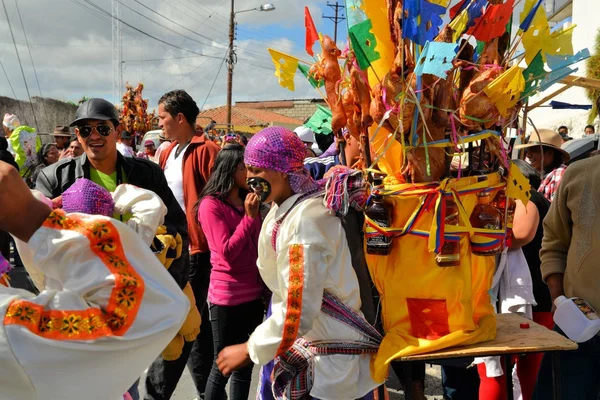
x=460, y=382
x=232, y=325
x=163, y=376
x=579, y=372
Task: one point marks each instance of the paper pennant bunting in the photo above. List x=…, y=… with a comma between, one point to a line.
x=285, y=68
x=364, y=43
x=506, y=89
x=534, y=74
x=529, y=10
x=311, y=31
x=436, y=59
x=320, y=122
x=459, y=25
x=305, y=71
x=518, y=186
x=422, y=21
x=555, y=76
x=493, y=23
x=558, y=62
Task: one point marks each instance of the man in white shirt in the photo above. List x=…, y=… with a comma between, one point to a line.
x=112, y=306
x=187, y=164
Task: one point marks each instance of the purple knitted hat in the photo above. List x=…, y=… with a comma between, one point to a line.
x=279, y=149
x=87, y=197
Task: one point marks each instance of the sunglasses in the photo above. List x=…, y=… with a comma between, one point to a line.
x=86, y=130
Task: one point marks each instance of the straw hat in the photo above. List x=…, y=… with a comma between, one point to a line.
x=547, y=138
x=61, y=130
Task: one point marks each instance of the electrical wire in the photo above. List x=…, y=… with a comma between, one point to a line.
x=11, y=87
x=213, y=84
x=20, y=64
x=32, y=62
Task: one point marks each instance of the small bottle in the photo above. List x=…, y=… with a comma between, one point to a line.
x=576, y=318
x=379, y=211
x=450, y=254
x=486, y=216
x=500, y=204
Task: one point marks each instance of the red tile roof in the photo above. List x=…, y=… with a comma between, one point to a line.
x=242, y=116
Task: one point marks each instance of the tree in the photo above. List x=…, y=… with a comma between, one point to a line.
x=593, y=71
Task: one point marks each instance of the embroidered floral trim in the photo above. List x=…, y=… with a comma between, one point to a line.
x=125, y=298
x=294, y=300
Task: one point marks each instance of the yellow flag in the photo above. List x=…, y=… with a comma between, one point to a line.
x=285, y=68
x=443, y=3
x=459, y=25
x=536, y=37
x=529, y=4
x=506, y=89
x=561, y=42
x=518, y=186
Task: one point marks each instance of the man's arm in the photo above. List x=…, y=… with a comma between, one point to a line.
x=557, y=238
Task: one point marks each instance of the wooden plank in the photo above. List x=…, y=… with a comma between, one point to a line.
x=510, y=339
x=587, y=83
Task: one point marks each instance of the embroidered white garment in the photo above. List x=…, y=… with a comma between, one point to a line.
x=108, y=308
x=312, y=255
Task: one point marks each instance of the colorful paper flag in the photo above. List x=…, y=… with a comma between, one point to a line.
x=534, y=74
x=517, y=187
x=285, y=68
x=556, y=76
x=436, y=59
x=558, y=62
x=475, y=11
x=364, y=43
x=505, y=91
x=533, y=9
x=311, y=31
x=305, y=71
x=458, y=8
x=320, y=122
x=493, y=22
x=422, y=20
x=459, y=25
x=443, y=3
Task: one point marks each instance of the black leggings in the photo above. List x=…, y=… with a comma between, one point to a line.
x=232, y=325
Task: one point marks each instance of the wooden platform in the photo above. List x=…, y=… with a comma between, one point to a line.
x=510, y=339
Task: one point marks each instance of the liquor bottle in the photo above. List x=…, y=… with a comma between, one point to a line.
x=379, y=211
x=450, y=253
x=500, y=204
x=486, y=216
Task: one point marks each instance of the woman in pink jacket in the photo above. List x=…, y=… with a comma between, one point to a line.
x=230, y=218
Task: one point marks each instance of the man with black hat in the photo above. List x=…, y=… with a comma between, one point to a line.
x=62, y=138
x=96, y=122
x=125, y=144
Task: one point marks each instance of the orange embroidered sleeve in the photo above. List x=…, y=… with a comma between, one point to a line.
x=91, y=323
x=294, y=300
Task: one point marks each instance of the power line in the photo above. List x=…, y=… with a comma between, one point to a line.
x=213, y=84
x=11, y=86
x=20, y=64
x=32, y=63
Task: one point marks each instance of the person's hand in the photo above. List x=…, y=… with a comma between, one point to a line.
x=252, y=205
x=66, y=154
x=341, y=168
x=556, y=288
x=20, y=213
x=57, y=202
x=232, y=358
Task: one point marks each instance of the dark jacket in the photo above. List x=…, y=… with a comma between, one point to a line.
x=52, y=181
x=198, y=161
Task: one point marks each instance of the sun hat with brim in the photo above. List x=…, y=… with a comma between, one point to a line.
x=98, y=109
x=61, y=130
x=547, y=138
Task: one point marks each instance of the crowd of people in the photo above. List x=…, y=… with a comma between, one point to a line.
x=217, y=253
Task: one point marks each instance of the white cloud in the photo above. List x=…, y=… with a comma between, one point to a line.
x=71, y=47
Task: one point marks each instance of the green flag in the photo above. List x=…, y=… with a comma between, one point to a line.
x=320, y=122
x=533, y=74
x=364, y=43
x=304, y=69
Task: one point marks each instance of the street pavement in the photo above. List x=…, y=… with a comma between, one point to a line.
x=433, y=386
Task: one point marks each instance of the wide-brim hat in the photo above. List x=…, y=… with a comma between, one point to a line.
x=61, y=130
x=98, y=109
x=547, y=138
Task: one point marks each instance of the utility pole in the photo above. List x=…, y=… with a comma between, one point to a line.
x=231, y=59
x=117, y=53
x=337, y=18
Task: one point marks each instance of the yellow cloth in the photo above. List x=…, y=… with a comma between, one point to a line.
x=409, y=278
x=285, y=68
